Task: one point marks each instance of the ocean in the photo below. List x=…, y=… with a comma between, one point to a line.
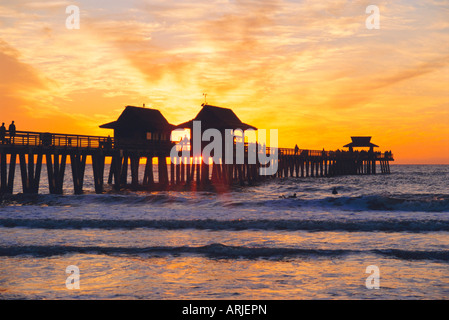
x=379, y=237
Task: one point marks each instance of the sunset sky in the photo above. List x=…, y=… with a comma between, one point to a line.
x=310, y=69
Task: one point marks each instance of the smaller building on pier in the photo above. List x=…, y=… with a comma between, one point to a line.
x=138, y=126
x=361, y=142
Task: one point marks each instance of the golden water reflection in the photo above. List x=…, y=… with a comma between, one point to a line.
x=196, y=277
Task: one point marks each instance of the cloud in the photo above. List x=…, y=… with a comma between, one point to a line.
x=19, y=82
x=16, y=75
x=30, y=98
x=412, y=72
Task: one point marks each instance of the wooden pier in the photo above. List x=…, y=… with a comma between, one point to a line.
x=31, y=150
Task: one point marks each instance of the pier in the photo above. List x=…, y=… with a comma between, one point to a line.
x=116, y=161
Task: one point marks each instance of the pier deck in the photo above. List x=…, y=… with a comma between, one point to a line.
x=30, y=149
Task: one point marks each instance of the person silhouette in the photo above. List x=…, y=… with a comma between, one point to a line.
x=288, y=197
x=12, y=131
x=3, y=133
x=108, y=142
x=334, y=191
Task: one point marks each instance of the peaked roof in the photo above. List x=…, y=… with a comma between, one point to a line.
x=361, y=142
x=137, y=117
x=217, y=117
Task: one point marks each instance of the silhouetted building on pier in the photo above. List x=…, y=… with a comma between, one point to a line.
x=138, y=126
x=213, y=117
x=361, y=142
x=220, y=119
x=365, y=162
x=217, y=118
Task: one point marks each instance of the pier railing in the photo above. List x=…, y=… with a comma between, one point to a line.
x=331, y=154
x=29, y=138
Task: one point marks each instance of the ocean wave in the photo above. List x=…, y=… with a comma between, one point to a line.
x=404, y=203
x=414, y=255
x=215, y=250
x=387, y=225
x=303, y=200
x=124, y=198
x=219, y=251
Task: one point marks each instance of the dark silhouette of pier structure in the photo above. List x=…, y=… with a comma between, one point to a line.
x=143, y=133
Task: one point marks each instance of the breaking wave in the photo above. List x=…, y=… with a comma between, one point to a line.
x=218, y=251
x=383, y=202
x=392, y=225
x=405, y=203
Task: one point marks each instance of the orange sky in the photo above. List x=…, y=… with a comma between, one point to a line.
x=310, y=69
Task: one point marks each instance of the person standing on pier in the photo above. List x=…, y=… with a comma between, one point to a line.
x=3, y=133
x=12, y=131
